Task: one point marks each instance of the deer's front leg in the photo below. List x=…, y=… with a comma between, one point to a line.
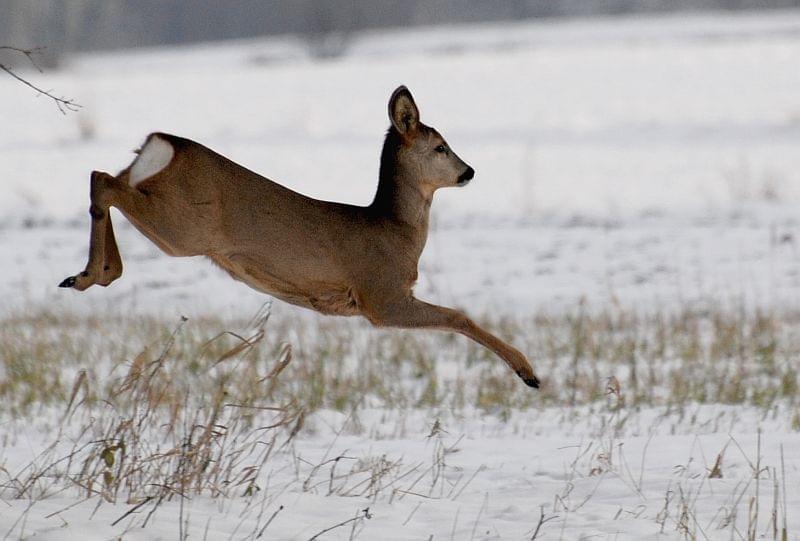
x=105, y=264
x=413, y=313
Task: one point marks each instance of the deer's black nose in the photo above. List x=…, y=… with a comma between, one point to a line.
x=466, y=176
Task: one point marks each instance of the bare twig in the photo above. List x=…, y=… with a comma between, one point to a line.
x=785, y=530
x=133, y=509
x=29, y=54
x=23, y=517
x=465, y=485
x=480, y=512
x=455, y=523
x=64, y=104
x=543, y=519
x=264, y=528
x=412, y=513
x=361, y=515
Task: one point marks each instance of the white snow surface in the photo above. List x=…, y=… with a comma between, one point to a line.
x=648, y=163
x=498, y=478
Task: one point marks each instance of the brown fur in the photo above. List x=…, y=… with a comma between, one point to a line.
x=330, y=257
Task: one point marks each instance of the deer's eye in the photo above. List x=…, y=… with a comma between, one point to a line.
x=441, y=149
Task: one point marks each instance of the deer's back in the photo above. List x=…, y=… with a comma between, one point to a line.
x=314, y=253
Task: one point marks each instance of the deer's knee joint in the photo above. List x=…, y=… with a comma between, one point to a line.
x=100, y=180
x=96, y=212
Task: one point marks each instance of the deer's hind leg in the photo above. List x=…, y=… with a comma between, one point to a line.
x=105, y=264
x=157, y=208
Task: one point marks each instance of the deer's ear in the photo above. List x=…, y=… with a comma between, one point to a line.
x=403, y=111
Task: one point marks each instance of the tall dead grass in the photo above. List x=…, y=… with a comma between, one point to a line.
x=144, y=412
x=659, y=359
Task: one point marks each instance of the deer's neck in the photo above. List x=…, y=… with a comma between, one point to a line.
x=401, y=200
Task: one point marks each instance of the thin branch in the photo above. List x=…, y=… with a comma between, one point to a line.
x=361, y=515
x=133, y=509
x=263, y=529
x=64, y=104
x=29, y=54
x=543, y=519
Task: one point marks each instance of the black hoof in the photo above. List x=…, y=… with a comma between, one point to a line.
x=530, y=382
x=68, y=282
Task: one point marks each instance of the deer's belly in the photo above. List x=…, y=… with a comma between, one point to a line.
x=325, y=297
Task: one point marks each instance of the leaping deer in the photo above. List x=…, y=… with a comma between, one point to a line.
x=330, y=257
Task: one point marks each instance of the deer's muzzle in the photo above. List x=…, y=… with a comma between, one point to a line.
x=466, y=176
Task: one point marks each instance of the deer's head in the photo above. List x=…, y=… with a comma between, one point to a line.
x=423, y=153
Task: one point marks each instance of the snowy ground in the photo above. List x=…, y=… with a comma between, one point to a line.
x=478, y=481
x=641, y=164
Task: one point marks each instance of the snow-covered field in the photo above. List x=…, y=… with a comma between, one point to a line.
x=642, y=166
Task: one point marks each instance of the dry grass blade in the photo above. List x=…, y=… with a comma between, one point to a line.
x=716, y=470
x=284, y=358
x=245, y=344
x=170, y=342
x=135, y=371
x=80, y=383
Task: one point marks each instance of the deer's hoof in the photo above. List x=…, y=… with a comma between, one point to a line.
x=68, y=282
x=532, y=381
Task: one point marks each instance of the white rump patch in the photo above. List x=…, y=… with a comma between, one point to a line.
x=154, y=156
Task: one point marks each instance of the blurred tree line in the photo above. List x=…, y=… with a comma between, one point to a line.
x=77, y=25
